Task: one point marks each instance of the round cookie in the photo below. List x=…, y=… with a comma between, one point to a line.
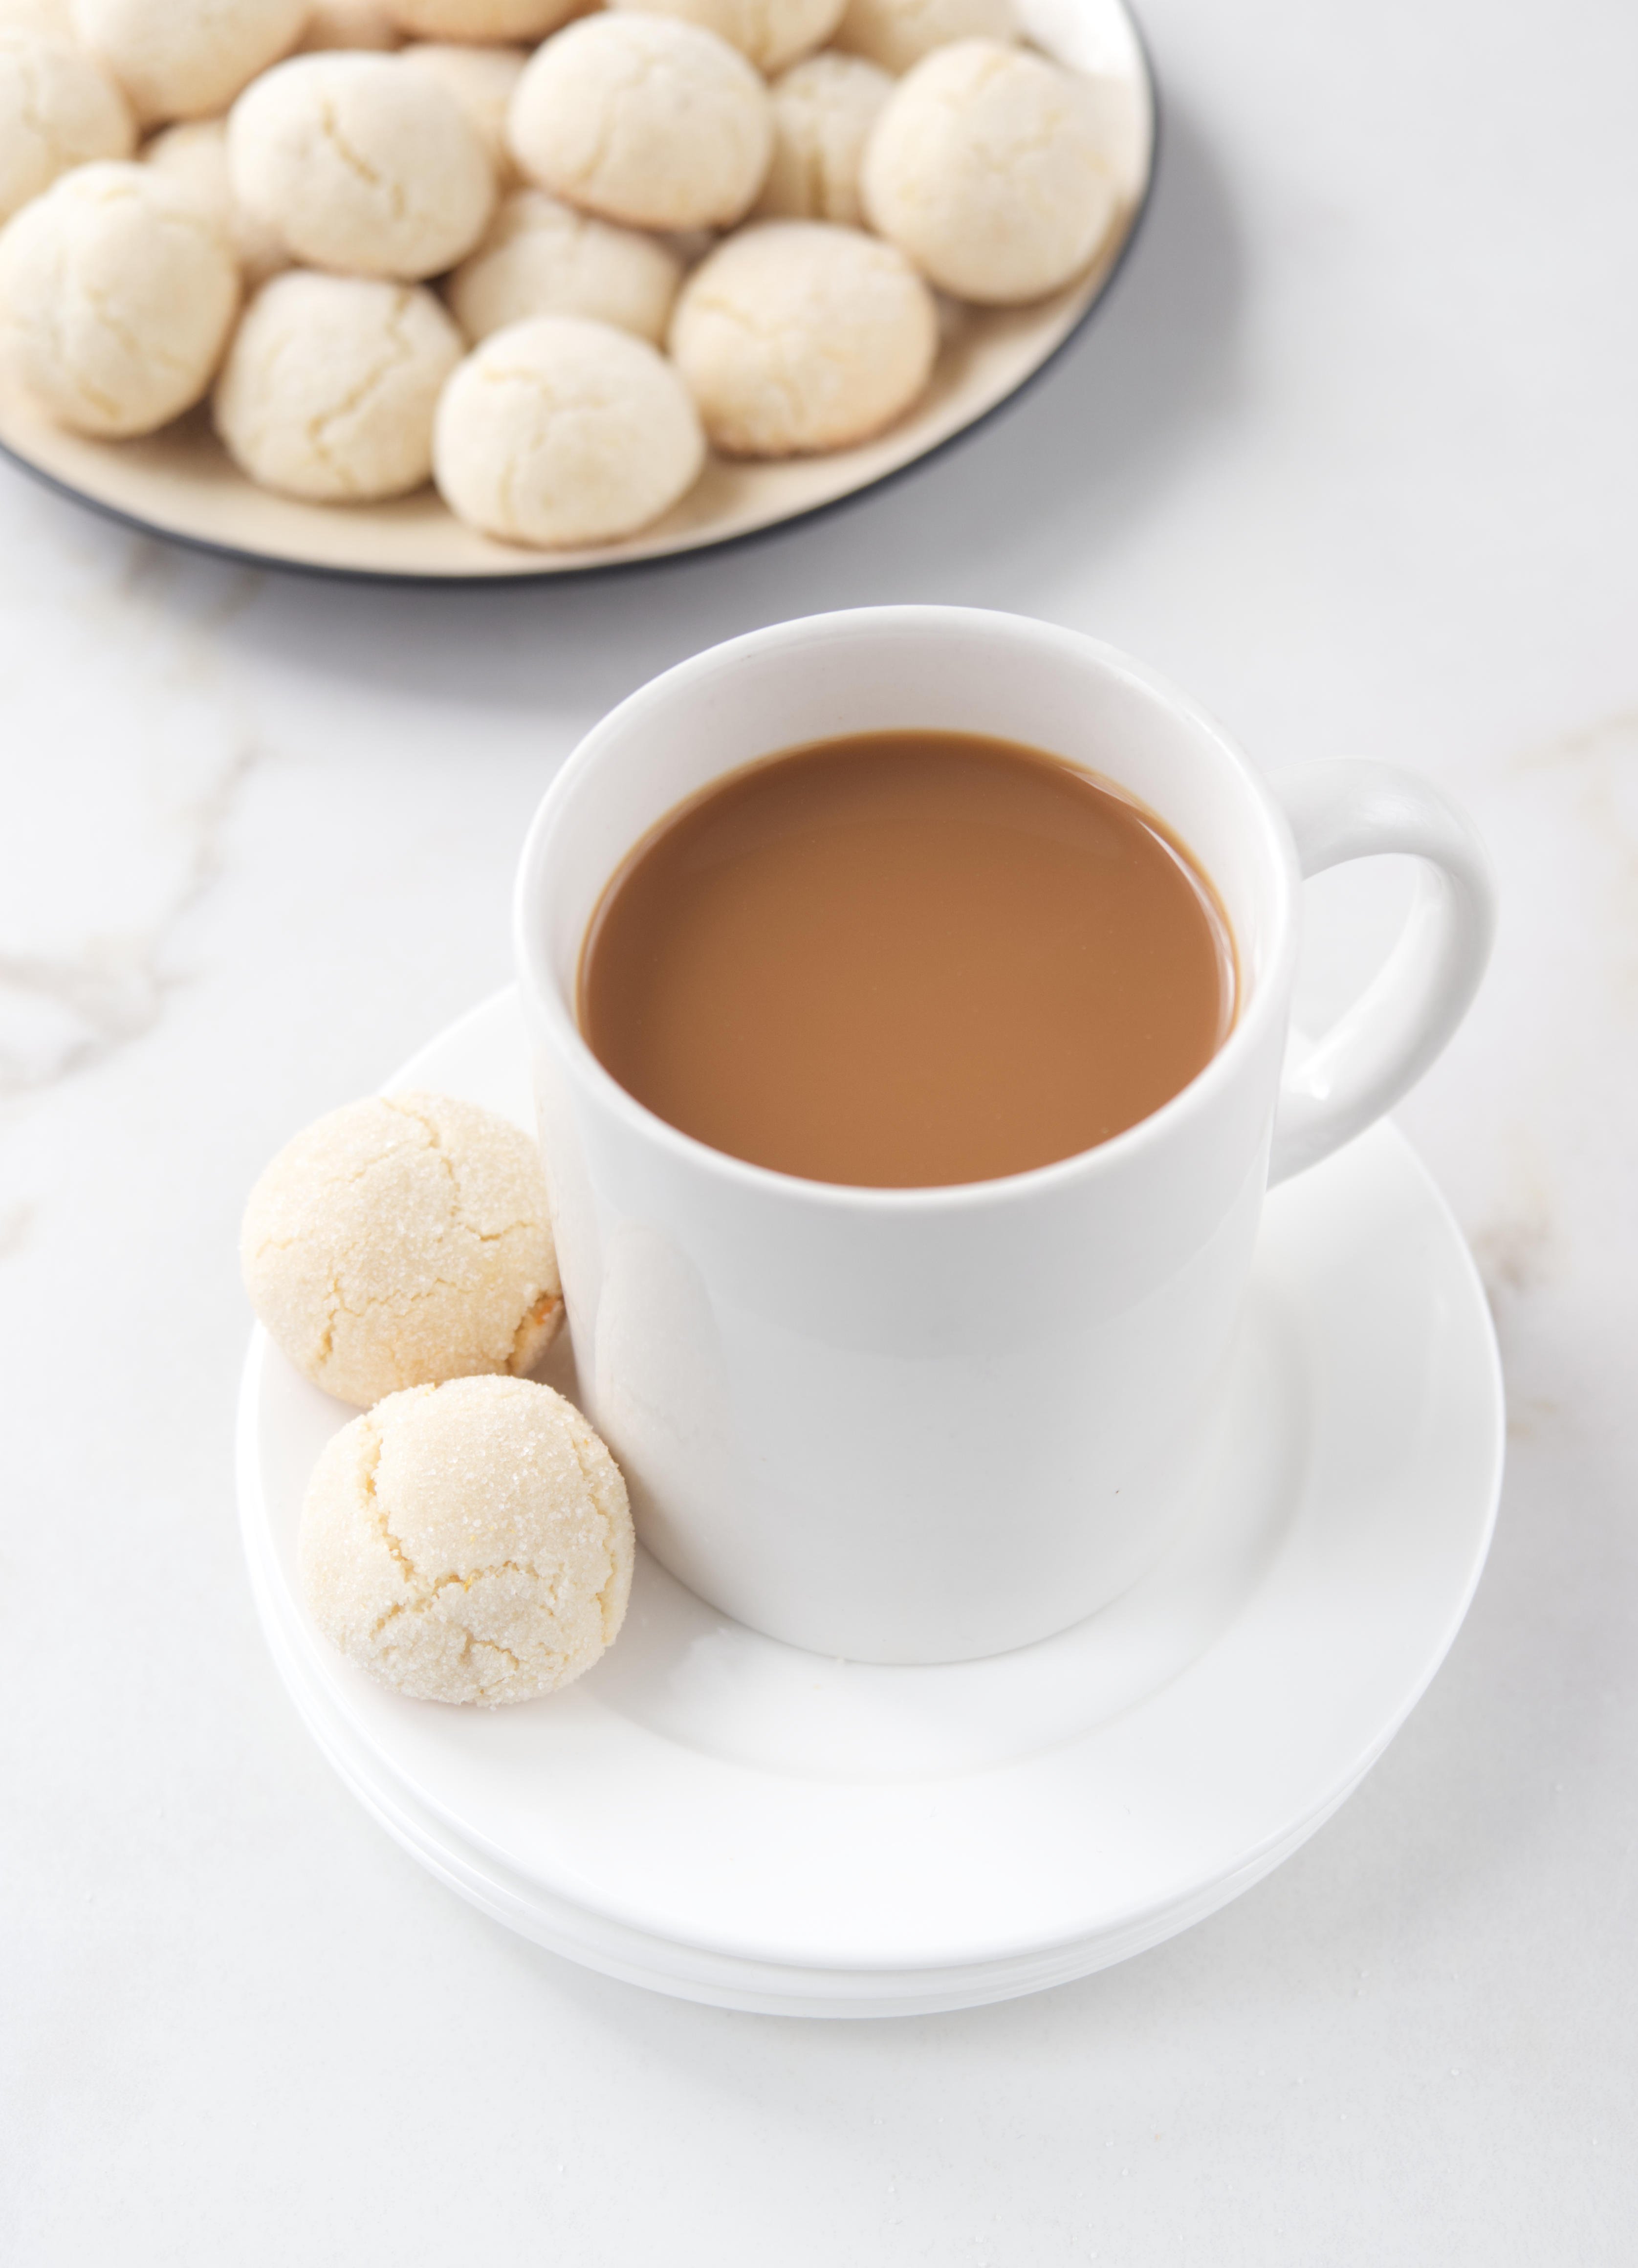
x=467, y=1543
x=772, y=32
x=897, y=33
x=116, y=298
x=482, y=81
x=357, y=26
x=193, y=155
x=542, y=257
x=796, y=336
x=986, y=169
x=822, y=113
x=186, y=58
x=331, y=384
x=400, y=1241
x=562, y=431
x=58, y=109
x=645, y=120
x=361, y=163
x=526, y=20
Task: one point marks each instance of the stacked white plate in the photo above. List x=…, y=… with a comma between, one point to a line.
x=736, y=1822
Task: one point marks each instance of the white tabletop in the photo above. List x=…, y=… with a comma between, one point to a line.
x=1352, y=452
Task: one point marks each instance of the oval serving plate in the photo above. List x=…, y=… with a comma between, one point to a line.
x=180, y=482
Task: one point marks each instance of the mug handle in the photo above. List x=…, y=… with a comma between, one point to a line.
x=1380, y=1047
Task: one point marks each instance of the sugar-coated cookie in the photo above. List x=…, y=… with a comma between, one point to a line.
x=481, y=19
x=58, y=109
x=116, y=297
x=188, y=58
x=543, y=257
x=193, y=155
x=482, y=80
x=468, y=1543
x=823, y=110
x=357, y=26
x=772, y=32
x=644, y=120
x=361, y=163
x=330, y=385
x=403, y=1240
x=986, y=168
x=562, y=431
x=897, y=33
x=797, y=336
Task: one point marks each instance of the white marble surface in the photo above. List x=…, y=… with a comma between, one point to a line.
x=1352, y=452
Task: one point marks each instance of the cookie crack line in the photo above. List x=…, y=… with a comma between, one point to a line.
x=378, y=1510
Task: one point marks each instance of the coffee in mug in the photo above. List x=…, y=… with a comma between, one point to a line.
x=904, y=959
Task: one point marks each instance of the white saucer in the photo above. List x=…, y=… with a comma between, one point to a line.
x=736, y=1821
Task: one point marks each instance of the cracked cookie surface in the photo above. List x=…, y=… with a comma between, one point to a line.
x=797, y=336
x=330, y=385
x=116, y=295
x=561, y=432
x=402, y=1241
x=57, y=110
x=186, y=58
x=362, y=163
x=470, y=1542
x=987, y=169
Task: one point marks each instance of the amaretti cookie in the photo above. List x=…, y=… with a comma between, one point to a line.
x=481, y=19
x=58, y=109
x=823, y=110
x=331, y=384
x=543, y=257
x=186, y=58
x=796, y=336
x=361, y=163
x=562, y=431
x=468, y=1543
x=986, y=168
x=772, y=32
x=116, y=297
x=897, y=33
x=193, y=155
x=402, y=1241
x=644, y=120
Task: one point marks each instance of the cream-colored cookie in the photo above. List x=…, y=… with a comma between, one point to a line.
x=822, y=113
x=361, y=163
x=193, y=155
x=482, y=81
x=561, y=432
x=795, y=336
x=772, y=32
x=543, y=257
x=468, y=1543
x=356, y=26
x=58, y=109
x=897, y=33
x=403, y=1240
x=986, y=168
x=645, y=121
x=482, y=20
x=188, y=58
x=331, y=384
x=116, y=298
x=52, y=19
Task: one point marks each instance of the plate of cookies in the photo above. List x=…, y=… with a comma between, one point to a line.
x=451, y=290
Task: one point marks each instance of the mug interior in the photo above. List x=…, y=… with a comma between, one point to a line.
x=903, y=669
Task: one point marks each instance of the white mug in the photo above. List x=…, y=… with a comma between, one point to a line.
x=925, y=1425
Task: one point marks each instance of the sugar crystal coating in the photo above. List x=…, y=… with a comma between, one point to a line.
x=470, y=1542
x=402, y=1241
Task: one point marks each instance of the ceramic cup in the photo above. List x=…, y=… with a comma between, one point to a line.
x=925, y=1425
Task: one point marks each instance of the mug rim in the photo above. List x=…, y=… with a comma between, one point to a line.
x=539, y=980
